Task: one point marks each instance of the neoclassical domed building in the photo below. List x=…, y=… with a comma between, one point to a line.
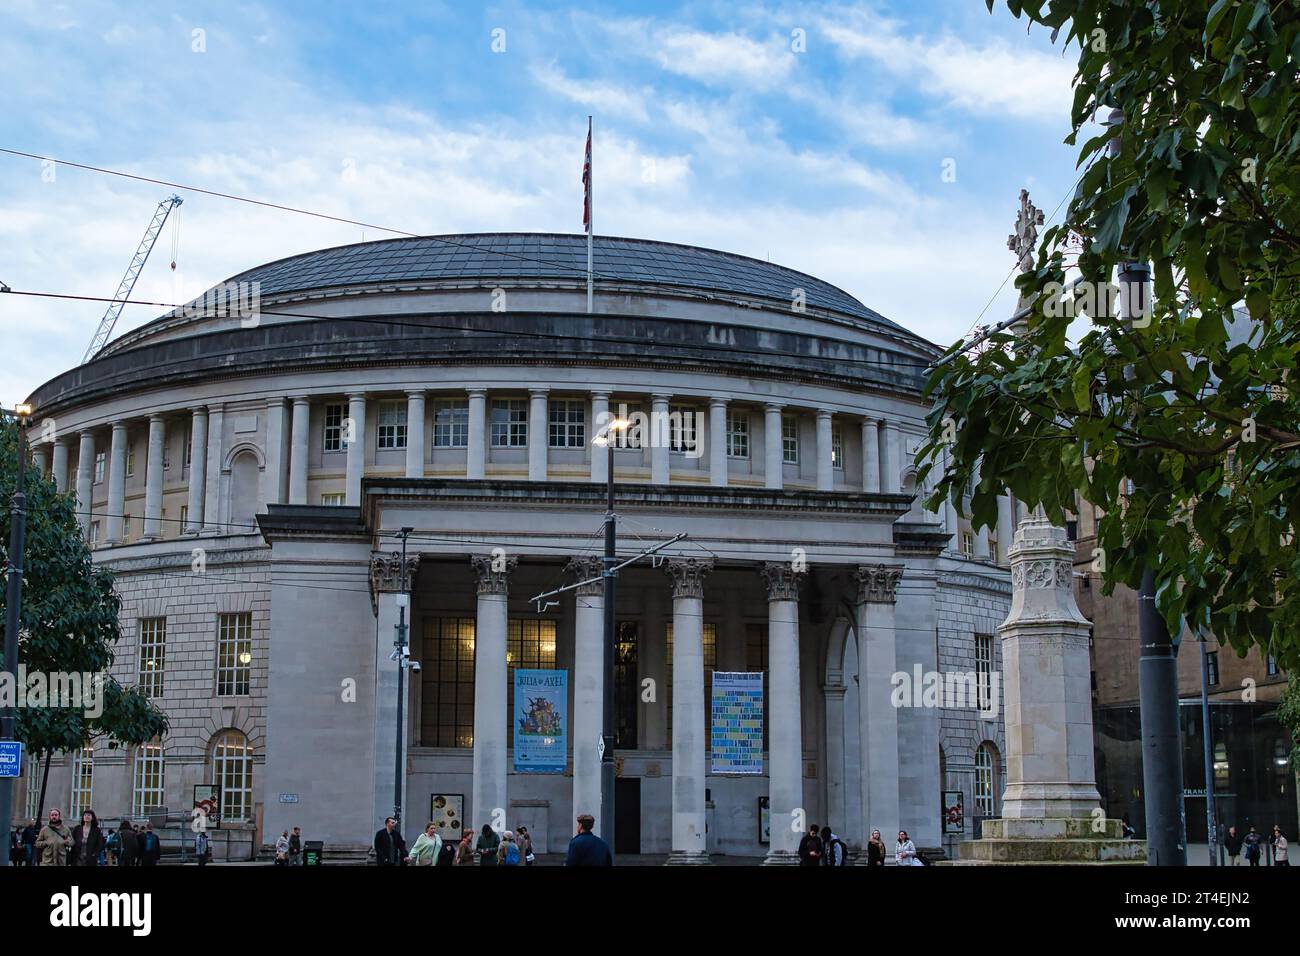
x=246, y=476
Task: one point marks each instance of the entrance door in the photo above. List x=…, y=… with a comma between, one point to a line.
x=627, y=815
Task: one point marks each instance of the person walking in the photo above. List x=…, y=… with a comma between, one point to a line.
x=1232, y=844
x=525, y=841
x=587, y=849
x=203, y=847
x=427, y=847
x=282, y=849
x=508, y=852
x=390, y=848
x=1279, y=847
x=150, y=846
x=30, y=833
x=15, y=848
x=295, y=847
x=488, y=843
x=876, y=851
x=129, y=854
x=810, y=848
x=834, y=852
x=1253, y=841
x=54, y=841
x=87, y=841
x=465, y=849
x=905, y=851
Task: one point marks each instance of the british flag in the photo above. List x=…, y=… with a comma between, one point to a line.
x=586, y=183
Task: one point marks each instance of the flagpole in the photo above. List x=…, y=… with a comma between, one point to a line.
x=591, y=221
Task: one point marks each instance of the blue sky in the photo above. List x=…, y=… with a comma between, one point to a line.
x=711, y=128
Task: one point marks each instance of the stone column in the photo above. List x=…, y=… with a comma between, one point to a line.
x=59, y=468
x=836, y=815
x=356, y=467
x=212, y=472
x=491, y=722
x=386, y=587
x=153, y=479
x=415, y=434
x=600, y=418
x=878, y=719
x=718, y=442
x=588, y=687
x=1005, y=529
x=890, y=476
x=825, y=462
x=476, y=443
x=654, y=646
x=690, y=844
x=774, y=459
x=85, y=479
x=116, y=484
x=273, y=476
x=538, y=439
x=785, y=724
x=660, y=436
x=298, y=450
x=870, y=456
x=40, y=459
x=198, y=460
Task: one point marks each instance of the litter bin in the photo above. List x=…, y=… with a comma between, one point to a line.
x=313, y=852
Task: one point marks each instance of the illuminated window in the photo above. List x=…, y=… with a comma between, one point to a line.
x=147, y=790
x=985, y=774
x=530, y=644
x=627, y=687
x=447, y=683
x=153, y=655
x=392, y=425
x=83, y=783
x=234, y=653
x=232, y=769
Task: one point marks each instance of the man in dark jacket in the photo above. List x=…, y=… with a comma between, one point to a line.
x=150, y=846
x=1232, y=843
x=810, y=848
x=30, y=833
x=129, y=845
x=390, y=848
x=587, y=849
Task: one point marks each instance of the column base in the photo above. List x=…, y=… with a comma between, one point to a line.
x=687, y=858
x=781, y=858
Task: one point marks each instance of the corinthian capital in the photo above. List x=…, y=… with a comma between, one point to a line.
x=688, y=576
x=493, y=571
x=782, y=580
x=587, y=569
x=878, y=583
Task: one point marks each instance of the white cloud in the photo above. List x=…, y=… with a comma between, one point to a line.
x=722, y=57
x=606, y=99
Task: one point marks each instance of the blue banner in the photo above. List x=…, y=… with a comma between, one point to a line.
x=541, y=720
x=737, y=745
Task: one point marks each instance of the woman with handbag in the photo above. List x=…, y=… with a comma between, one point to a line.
x=282, y=849
x=525, y=841
x=427, y=848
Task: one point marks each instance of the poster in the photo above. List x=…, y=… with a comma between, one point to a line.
x=953, y=812
x=541, y=720
x=446, y=811
x=207, y=801
x=737, y=746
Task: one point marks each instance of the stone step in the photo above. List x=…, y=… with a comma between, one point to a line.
x=993, y=850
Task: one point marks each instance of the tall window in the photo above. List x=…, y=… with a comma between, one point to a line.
x=1272, y=666
x=130, y=459
x=94, y=532
x=627, y=688
x=234, y=653
x=509, y=423
x=33, y=789
x=737, y=434
x=392, y=425
x=984, y=780
x=451, y=423
x=153, y=655
x=334, y=415
x=147, y=789
x=967, y=543
x=710, y=662
x=447, y=674
x=232, y=769
x=568, y=420
x=1212, y=665
x=83, y=783
x=99, y=466
x=837, y=446
x=683, y=428
x=167, y=455
x=530, y=644
x=984, y=669
x=189, y=440
x=790, y=439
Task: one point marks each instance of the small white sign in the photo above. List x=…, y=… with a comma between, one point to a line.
x=288, y=798
x=600, y=747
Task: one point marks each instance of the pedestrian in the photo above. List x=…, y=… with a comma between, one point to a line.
x=488, y=842
x=282, y=849
x=203, y=847
x=508, y=852
x=810, y=848
x=465, y=849
x=1125, y=828
x=450, y=849
x=1253, y=840
x=390, y=848
x=876, y=850
x=87, y=841
x=587, y=849
x=427, y=848
x=905, y=851
x=15, y=848
x=834, y=852
x=1279, y=847
x=1232, y=843
x=30, y=833
x=54, y=841
x=295, y=847
x=129, y=855
x=525, y=840
x=150, y=846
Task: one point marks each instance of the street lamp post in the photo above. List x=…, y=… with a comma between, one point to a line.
x=609, y=579
x=13, y=613
x=401, y=656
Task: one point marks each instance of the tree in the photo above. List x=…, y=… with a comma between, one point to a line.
x=1288, y=714
x=69, y=622
x=1185, y=437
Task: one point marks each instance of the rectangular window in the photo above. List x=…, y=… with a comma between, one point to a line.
x=568, y=421
x=99, y=466
x=185, y=517
x=627, y=687
x=837, y=446
x=33, y=774
x=984, y=670
x=94, y=532
x=967, y=543
x=153, y=655
x=683, y=428
x=334, y=415
x=126, y=526
x=83, y=782
x=737, y=434
x=332, y=499
x=509, y=423
x=530, y=644
x=185, y=449
x=148, y=791
x=392, y=425
x=451, y=423
x=790, y=439
x=1212, y=665
x=167, y=457
x=1272, y=666
x=234, y=653
x=447, y=688
x=130, y=459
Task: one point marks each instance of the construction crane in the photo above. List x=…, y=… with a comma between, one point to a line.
x=132, y=273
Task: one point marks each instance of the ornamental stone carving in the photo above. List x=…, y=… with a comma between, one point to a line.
x=587, y=569
x=688, y=576
x=1042, y=570
x=386, y=574
x=782, y=580
x=493, y=571
x=878, y=583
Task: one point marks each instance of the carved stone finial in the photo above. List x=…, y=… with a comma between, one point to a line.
x=782, y=580
x=688, y=575
x=493, y=571
x=1042, y=574
x=586, y=569
x=878, y=583
x=1024, y=241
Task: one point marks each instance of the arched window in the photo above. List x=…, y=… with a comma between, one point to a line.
x=148, y=792
x=83, y=782
x=232, y=770
x=245, y=477
x=986, y=766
